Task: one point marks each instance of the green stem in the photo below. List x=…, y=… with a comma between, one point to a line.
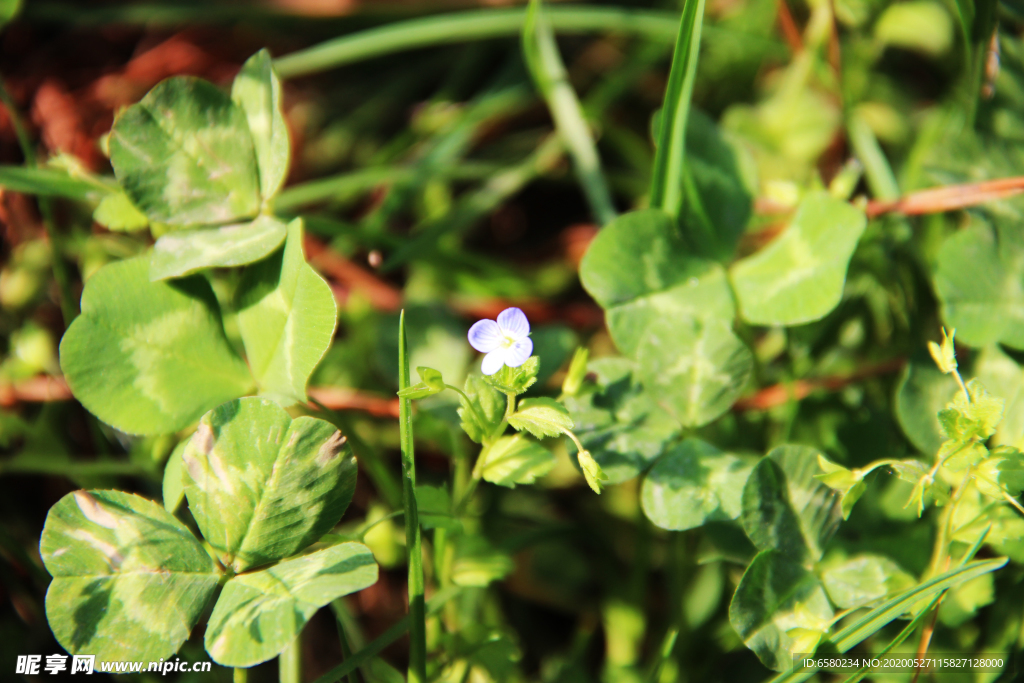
x=367, y=653
x=417, y=615
x=550, y=77
x=289, y=662
x=241, y=675
x=456, y=27
x=72, y=469
x=877, y=169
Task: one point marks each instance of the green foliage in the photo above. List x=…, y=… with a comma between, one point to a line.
x=799, y=277
x=541, y=417
x=257, y=91
x=431, y=383
x=515, y=380
x=259, y=613
x=129, y=580
x=515, y=460
x=483, y=411
x=287, y=316
x=863, y=579
x=693, y=483
x=187, y=251
x=150, y=357
x=184, y=155
x=263, y=498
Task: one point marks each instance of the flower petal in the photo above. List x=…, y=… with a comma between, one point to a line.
x=517, y=354
x=485, y=336
x=493, y=361
x=513, y=323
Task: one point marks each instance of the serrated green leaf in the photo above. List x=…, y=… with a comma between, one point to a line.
x=860, y=580
x=592, y=472
x=287, y=315
x=184, y=155
x=977, y=418
x=641, y=272
x=515, y=460
x=515, y=380
x=116, y=212
x=129, y=580
x=979, y=280
x=696, y=368
x=149, y=357
x=257, y=90
x=779, y=608
x=799, y=277
x=187, y=251
x=259, y=614
x=849, y=484
x=541, y=417
x=693, y=483
x=619, y=422
x=262, y=486
x=484, y=411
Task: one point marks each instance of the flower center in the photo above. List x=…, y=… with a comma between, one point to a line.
x=508, y=343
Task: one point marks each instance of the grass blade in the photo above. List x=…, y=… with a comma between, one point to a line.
x=549, y=75
x=669, y=158
x=417, y=614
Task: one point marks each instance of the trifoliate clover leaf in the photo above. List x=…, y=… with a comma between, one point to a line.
x=848, y=483
x=541, y=417
x=515, y=381
x=431, y=383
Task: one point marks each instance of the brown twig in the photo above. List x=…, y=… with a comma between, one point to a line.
x=41, y=389
x=789, y=28
x=780, y=394
x=337, y=398
x=949, y=198
x=352, y=277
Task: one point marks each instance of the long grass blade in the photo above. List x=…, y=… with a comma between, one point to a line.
x=669, y=158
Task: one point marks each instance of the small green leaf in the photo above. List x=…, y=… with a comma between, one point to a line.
x=860, y=580
x=116, y=212
x=515, y=380
x=515, y=460
x=184, y=155
x=849, y=484
x=619, y=422
x=541, y=417
x=287, y=316
x=434, y=506
x=431, y=383
x=262, y=486
x=149, y=357
x=799, y=277
x=693, y=483
x=257, y=90
x=484, y=411
x=187, y=251
x=260, y=613
x=592, y=472
x=944, y=355
x=696, y=368
x=779, y=608
x=129, y=580
x=478, y=563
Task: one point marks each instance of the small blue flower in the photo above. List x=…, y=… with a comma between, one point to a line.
x=506, y=342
